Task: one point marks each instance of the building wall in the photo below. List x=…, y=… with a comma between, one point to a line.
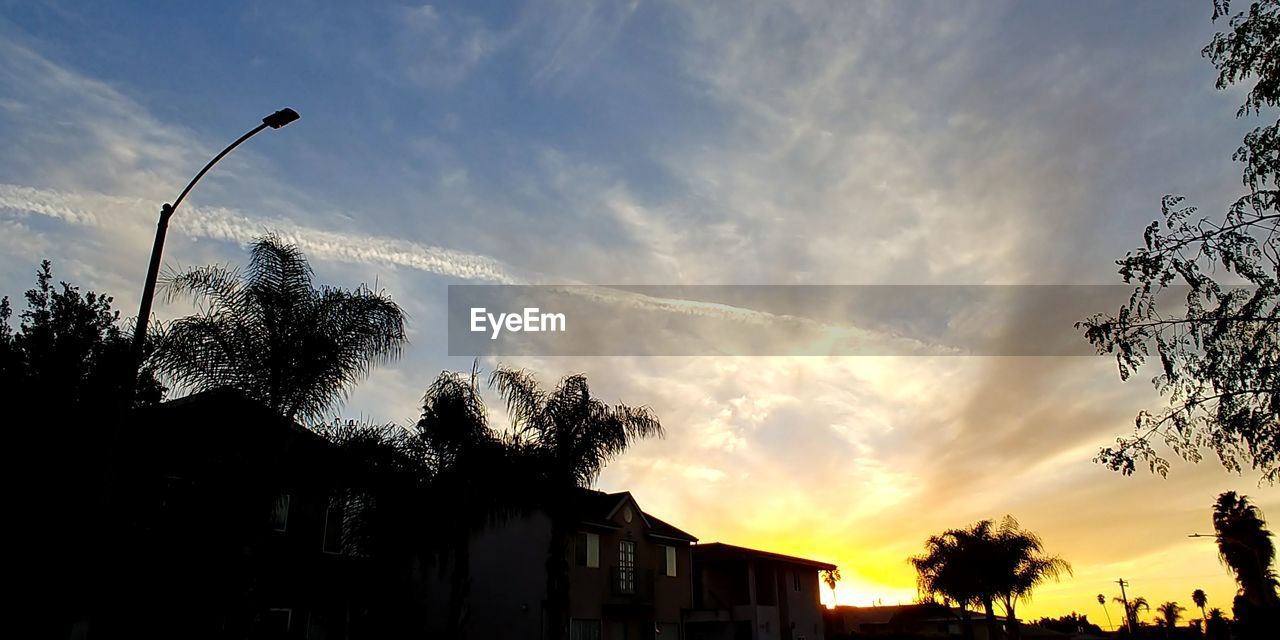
x=592, y=594
x=804, y=606
x=508, y=583
x=755, y=597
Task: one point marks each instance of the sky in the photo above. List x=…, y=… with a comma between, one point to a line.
x=665, y=143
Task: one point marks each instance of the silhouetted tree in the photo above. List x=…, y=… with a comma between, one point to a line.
x=67, y=368
x=1102, y=600
x=948, y=569
x=1245, y=546
x=479, y=476
x=573, y=435
x=985, y=564
x=1023, y=563
x=1199, y=598
x=380, y=480
x=1169, y=614
x=1218, y=356
x=1071, y=623
x=830, y=577
x=69, y=351
x=1216, y=626
x=270, y=333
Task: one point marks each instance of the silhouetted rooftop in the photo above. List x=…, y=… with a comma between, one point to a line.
x=720, y=550
x=598, y=508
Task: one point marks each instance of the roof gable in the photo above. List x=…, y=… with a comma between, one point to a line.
x=601, y=509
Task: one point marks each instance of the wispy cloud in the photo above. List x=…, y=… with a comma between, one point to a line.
x=220, y=223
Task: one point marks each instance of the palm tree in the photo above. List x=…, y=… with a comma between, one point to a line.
x=1023, y=567
x=985, y=564
x=1245, y=546
x=379, y=479
x=946, y=569
x=966, y=565
x=830, y=577
x=1169, y=614
x=1199, y=599
x=480, y=476
x=1131, y=609
x=573, y=435
x=270, y=333
x=1102, y=600
x=1215, y=625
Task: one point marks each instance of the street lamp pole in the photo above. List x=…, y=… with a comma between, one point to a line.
x=274, y=121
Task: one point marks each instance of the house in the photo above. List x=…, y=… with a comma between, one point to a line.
x=222, y=519
x=221, y=523
x=630, y=574
x=747, y=594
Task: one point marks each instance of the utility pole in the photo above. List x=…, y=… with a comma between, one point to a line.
x=1128, y=617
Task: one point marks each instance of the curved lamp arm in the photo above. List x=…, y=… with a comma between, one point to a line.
x=274, y=121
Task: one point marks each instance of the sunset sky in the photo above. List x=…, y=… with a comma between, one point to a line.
x=683, y=143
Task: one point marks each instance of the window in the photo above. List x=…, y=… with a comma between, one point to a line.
x=280, y=513
x=584, y=630
x=333, y=521
x=795, y=581
x=626, y=566
x=586, y=550
x=671, y=560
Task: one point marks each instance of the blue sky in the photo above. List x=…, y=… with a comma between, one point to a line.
x=679, y=143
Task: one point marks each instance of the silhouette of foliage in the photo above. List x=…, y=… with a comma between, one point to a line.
x=1102, y=600
x=1072, y=623
x=270, y=333
x=1199, y=599
x=1218, y=357
x=381, y=480
x=830, y=577
x=480, y=476
x=67, y=367
x=572, y=435
x=1169, y=614
x=1245, y=546
x=986, y=563
x=1021, y=554
x=1217, y=627
x=70, y=350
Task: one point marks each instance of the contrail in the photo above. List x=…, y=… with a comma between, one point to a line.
x=219, y=223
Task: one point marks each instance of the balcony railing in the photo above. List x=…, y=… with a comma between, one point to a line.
x=631, y=583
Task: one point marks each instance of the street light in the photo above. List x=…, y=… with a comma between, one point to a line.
x=275, y=121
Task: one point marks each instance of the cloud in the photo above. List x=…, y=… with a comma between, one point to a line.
x=693, y=143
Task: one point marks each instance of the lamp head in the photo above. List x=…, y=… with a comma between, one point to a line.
x=281, y=118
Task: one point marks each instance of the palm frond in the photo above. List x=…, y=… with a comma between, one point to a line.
x=270, y=333
x=524, y=397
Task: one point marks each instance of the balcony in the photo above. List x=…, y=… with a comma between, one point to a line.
x=631, y=584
